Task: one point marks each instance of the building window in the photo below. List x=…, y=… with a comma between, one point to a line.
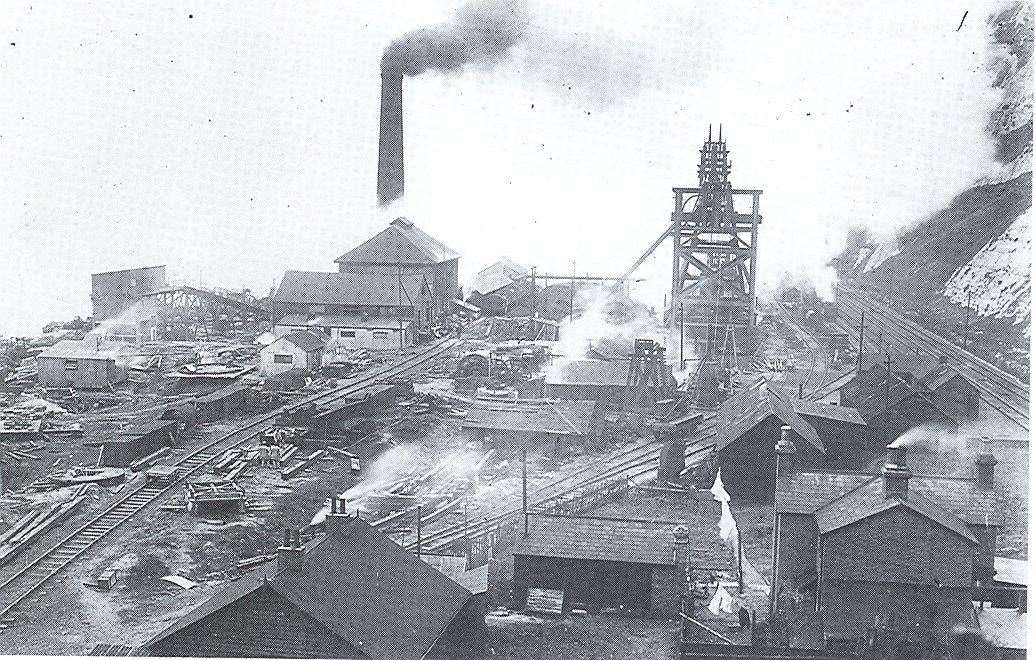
x=71, y=365
x=381, y=334
x=279, y=358
x=347, y=334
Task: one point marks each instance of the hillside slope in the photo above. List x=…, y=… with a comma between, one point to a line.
x=976, y=250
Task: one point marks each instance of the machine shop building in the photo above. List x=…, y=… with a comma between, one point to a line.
x=555, y=425
x=85, y=364
x=603, y=381
x=350, y=299
x=497, y=288
x=115, y=291
x=897, y=552
x=404, y=248
x=349, y=594
x=302, y=349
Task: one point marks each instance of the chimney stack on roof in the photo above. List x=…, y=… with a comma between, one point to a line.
x=896, y=473
x=785, y=449
x=289, y=555
x=984, y=469
x=337, y=519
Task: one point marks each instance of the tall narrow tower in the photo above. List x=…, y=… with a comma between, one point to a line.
x=714, y=251
x=390, y=137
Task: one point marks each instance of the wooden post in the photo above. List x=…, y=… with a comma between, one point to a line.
x=859, y=353
x=525, y=489
x=532, y=307
x=572, y=293
x=967, y=319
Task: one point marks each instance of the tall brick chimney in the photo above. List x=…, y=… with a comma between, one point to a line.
x=390, y=138
x=785, y=449
x=896, y=473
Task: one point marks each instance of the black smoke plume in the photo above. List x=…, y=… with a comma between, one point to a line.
x=477, y=33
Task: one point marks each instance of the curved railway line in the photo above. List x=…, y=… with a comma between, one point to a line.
x=32, y=578
x=1000, y=390
x=636, y=461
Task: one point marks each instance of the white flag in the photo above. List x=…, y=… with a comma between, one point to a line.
x=719, y=493
x=727, y=524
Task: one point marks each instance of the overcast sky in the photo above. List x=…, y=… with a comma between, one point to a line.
x=235, y=141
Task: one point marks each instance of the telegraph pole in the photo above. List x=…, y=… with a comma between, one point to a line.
x=572, y=293
x=888, y=398
x=525, y=488
x=859, y=353
x=967, y=319
x=532, y=311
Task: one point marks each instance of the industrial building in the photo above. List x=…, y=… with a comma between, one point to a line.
x=895, y=553
x=85, y=364
x=403, y=248
x=349, y=594
x=302, y=349
x=348, y=333
x=115, y=291
x=499, y=287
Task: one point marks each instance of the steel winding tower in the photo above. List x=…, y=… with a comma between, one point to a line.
x=714, y=251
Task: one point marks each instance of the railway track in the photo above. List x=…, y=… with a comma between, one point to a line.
x=815, y=349
x=32, y=579
x=1002, y=391
x=632, y=463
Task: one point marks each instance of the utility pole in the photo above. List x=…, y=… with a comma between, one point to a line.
x=572, y=293
x=525, y=488
x=888, y=398
x=859, y=353
x=967, y=319
x=532, y=310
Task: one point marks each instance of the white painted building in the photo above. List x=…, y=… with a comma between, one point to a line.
x=299, y=349
x=349, y=333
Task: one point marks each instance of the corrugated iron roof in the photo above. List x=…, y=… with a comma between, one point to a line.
x=588, y=372
x=87, y=349
x=399, y=243
x=363, y=587
x=602, y=539
x=355, y=289
x=561, y=417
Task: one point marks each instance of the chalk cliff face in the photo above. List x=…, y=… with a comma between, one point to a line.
x=979, y=243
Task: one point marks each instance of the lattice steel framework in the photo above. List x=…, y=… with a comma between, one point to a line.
x=714, y=253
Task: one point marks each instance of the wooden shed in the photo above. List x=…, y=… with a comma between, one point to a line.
x=86, y=364
x=302, y=349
